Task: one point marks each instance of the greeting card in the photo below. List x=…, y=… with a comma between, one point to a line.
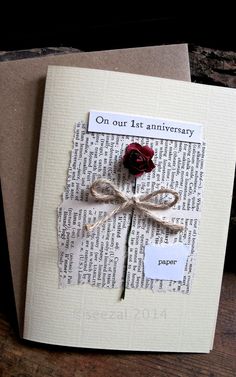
x=131, y=210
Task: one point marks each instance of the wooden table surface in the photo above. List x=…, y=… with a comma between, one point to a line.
x=20, y=358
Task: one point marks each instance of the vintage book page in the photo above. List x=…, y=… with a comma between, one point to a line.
x=99, y=257
x=156, y=317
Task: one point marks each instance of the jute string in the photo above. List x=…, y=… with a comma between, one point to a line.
x=140, y=203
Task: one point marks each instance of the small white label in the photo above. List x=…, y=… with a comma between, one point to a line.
x=136, y=125
x=166, y=262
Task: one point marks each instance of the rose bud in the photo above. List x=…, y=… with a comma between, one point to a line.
x=138, y=159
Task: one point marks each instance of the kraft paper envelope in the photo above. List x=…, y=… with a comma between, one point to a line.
x=22, y=89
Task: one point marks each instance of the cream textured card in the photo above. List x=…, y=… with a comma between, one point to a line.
x=85, y=316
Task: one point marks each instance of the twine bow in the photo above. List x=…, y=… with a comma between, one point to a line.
x=139, y=203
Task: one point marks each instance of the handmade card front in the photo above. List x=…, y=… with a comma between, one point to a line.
x=166, y=251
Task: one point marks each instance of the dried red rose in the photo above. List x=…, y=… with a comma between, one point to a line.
x=138, y=159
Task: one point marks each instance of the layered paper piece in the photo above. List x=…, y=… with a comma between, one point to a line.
x=113, y=255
